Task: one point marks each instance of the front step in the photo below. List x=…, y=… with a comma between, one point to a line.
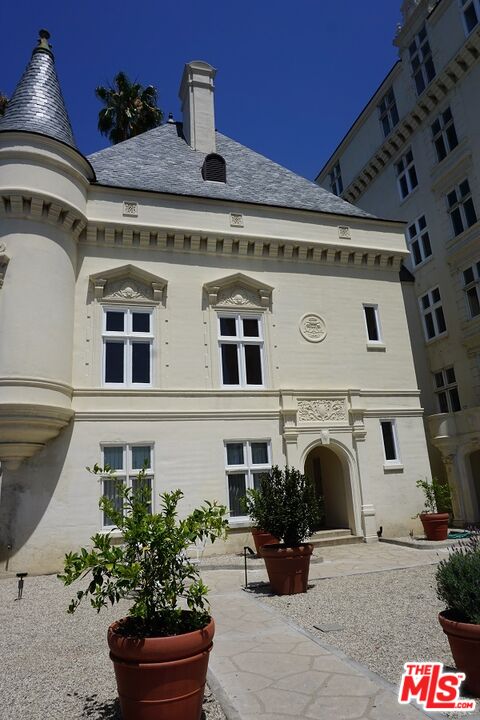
x=328, y=538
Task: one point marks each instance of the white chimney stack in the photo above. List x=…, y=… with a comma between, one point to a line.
x=196, y=96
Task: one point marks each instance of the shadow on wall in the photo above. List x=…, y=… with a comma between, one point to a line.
x=26, y=493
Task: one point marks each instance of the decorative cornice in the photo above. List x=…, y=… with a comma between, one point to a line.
x=128, y=283
x=425, y=108
x=238, y=291
x=128, y=235
x=41, y=207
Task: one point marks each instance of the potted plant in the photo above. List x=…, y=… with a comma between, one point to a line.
x=458, y=586
x=252, y=503
x=289, y=511
x=437, y=499
x=160, y=650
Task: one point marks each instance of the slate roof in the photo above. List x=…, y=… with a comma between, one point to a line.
x=160, y=160
x=37, y=104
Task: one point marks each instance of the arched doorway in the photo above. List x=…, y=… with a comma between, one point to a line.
x=330, y=476
x=475, y=471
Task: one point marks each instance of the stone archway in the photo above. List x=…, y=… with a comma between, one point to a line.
x=330, y=475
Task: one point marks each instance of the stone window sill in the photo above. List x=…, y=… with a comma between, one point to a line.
x=376, y=347
x=393, y=468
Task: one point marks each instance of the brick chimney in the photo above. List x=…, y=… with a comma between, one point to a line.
x=196, y=96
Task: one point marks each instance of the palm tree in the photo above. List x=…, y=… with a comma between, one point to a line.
x=130, y=109
x=3, y=103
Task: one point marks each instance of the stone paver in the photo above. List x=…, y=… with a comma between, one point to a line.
x=266, y=668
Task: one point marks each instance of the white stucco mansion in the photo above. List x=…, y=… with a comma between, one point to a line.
x=181, y=299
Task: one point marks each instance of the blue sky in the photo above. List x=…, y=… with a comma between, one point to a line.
x=292, y=75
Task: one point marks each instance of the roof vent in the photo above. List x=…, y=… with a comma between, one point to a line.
x=214, y=168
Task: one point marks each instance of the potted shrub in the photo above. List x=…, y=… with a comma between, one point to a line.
x=458, y=586
x=160, y=650
x=437, y=499
x=253, y=506
x=289, y=511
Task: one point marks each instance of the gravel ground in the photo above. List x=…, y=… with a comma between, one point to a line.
x=387, y=617
x=55, y=666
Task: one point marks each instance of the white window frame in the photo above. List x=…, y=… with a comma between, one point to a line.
x=423, y=57
x=464, y=5
x=377, y=323
x=431, y=310
x=442, y=133
x=396, y=462
x=248, y=469
x=405, y=169
x=387, y=110
x=241, y=341
x=418, y=237
x=459, y=204
x=127, y=337
x=336, y=182
x=472, y=285
x=127, y=473
x=446, y=389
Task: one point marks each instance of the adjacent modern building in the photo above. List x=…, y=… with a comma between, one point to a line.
x=181, y=301
x=414, y=154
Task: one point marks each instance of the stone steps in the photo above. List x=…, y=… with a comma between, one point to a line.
x=340, y=536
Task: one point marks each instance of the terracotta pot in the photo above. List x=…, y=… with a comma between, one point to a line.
x=435, y=525
x=464, y=639
x=161, y=678
x=261, y=538
x=287, y=567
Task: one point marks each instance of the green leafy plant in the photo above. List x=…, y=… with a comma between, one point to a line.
x=254, y=506
x=286, y=506
x=151, y=566
x=437, y=495
x=458, y=581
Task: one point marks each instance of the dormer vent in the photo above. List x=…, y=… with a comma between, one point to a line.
x=214, y=168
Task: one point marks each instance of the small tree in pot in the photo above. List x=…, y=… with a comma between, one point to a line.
x=290, y=511
x=458, y=586
x=438, y=503
x=160, y=650
x=253, y=505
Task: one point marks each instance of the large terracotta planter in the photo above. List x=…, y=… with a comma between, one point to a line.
x=161, y=678
x=464, y=639
x=287, y=567
x=261, y=538
x=435, y=525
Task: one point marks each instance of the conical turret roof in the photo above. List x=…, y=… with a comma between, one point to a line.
x=37, y=104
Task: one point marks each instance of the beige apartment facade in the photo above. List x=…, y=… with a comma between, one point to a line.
x=414, y=153
x=179, y=300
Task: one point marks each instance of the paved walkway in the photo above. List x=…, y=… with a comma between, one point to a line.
x=265, y=668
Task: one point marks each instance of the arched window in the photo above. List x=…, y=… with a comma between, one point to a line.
x=214, y=168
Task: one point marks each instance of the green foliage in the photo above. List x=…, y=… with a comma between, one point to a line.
x=437, y=495
x=458, y=581
x=130, y=109
x=254, y=506
x=3, y=103
x=285, y=505
x=151, y=567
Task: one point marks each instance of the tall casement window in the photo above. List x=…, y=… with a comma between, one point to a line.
x=471, y=288
x=391, y=452
x=126, y=461
x=245, y=462
x=372, y=323
x=336, y=183
x=461, y=208
x=241, y=350
x=419, y=240
x=471, y=14
x=387, y=112
x=446, y=390
x=406, y=174
x=423, y=68
x=432, y=314
x=127, y=346
x=444, y=135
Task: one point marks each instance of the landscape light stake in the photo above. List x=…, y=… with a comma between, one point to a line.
x=251, y=552
x=21, y=582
